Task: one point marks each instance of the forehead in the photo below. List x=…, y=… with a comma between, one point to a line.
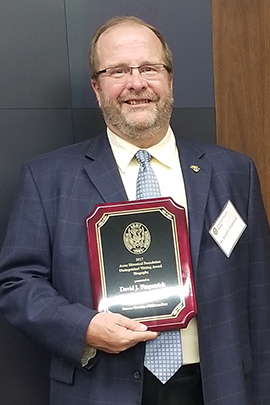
x=128, y=43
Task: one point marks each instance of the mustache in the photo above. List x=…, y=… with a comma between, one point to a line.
x=146, y=95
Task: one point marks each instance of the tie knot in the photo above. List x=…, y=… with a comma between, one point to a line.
x=143, y=156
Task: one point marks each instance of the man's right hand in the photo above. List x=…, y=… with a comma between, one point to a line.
x=114, y=333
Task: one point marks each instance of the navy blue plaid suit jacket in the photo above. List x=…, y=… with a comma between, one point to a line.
x=45, y=286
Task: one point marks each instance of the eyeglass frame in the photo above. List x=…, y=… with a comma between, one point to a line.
x=164, y=67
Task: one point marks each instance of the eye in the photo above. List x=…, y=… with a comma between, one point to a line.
x=118, y=71
x=149, y=69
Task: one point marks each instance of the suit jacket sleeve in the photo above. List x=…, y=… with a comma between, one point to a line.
x=259, y=291
x=28, y=296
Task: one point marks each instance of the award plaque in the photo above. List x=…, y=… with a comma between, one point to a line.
x=140, y=264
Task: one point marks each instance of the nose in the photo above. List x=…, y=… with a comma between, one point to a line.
x=136, y=81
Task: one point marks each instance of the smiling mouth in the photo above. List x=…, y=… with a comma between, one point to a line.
x=137, y=102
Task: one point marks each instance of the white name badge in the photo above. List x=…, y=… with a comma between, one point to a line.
x=227, y=228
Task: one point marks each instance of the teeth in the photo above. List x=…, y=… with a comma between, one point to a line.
x=134, y=102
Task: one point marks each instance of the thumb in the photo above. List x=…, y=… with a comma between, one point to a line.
x=131, y=324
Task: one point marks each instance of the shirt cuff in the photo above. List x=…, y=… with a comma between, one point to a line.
x=88, y=353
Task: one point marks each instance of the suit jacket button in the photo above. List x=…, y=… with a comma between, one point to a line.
x=137, y=375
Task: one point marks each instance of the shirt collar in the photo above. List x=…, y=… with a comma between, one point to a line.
x=124, y=151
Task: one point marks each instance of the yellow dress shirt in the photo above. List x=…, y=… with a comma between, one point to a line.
x=166, y=164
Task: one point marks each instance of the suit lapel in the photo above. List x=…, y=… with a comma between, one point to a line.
x=103, y=171
x=197, y=184
x=104, y=174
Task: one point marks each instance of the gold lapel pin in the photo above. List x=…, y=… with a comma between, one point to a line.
x=195, y=168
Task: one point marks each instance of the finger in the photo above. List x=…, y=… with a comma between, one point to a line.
x=134, y=337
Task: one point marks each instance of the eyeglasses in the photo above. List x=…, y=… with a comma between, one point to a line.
x=123, y=73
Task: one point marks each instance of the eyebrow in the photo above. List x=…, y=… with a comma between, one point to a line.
x=139, y=64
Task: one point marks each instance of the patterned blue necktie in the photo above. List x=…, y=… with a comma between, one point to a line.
x=147, y=182
x=163, y=355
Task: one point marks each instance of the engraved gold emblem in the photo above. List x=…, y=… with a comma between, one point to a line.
x=137, y=238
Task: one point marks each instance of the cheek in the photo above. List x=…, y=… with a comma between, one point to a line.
x=161, y=88
x=111, y=92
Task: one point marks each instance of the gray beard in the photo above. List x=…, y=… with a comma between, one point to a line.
x=114, y=117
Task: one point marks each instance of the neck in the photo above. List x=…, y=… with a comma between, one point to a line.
x=144, y=139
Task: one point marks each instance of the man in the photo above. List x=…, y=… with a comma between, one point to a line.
x=98, y=358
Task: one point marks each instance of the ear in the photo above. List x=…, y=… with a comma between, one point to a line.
x=171, y=80
x=96, y=88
